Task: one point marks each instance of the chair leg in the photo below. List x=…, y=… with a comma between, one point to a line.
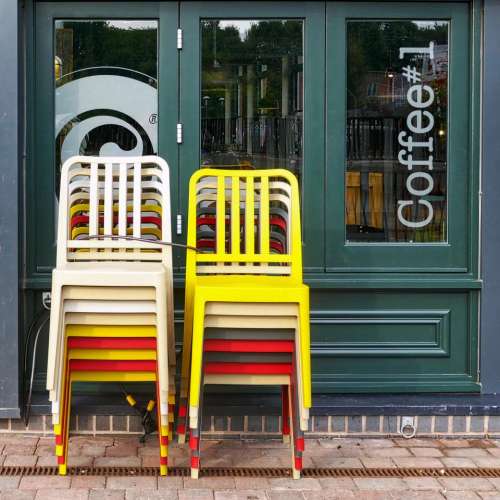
x=185, y=367
x=195, y=439
x=62, y=430
x=162, y=435
x=298, y=434
x=285, y=415
x=195, y=382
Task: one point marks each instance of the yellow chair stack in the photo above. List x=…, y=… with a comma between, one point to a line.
x=246, y=307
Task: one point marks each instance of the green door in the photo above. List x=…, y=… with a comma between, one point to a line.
x=248, y=97
x=105, y=82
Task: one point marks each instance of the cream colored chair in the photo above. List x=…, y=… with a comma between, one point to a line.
x=108, y=282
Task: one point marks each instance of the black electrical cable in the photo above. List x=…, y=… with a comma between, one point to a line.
x=27, y=410
x=135, y=238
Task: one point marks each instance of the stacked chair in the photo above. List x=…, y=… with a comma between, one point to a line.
x=112, y=291
x=246, y=307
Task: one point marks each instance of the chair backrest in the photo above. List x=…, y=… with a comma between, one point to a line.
x=120, y=196
x=244, y=223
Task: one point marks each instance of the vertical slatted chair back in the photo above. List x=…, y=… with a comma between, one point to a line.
x=243, y=206
x=120, y=196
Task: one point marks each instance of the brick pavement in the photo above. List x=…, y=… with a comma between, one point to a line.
x=340, y=452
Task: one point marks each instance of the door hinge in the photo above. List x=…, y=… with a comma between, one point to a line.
x=179, y=39
x=179, y=224
x=179, y=133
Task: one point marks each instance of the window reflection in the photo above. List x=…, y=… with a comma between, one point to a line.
x=396, y=131
x=106, y=95
x=252, y=94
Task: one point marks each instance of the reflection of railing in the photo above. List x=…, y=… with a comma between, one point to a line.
x=377, y=138
x=276, y=137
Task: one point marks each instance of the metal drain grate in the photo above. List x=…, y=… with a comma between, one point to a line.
x=254, y=472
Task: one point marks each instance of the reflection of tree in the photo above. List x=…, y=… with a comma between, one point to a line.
x=373, y=47
x=97, y=43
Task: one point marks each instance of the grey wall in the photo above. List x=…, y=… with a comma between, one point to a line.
x=490, y=308
x=9, y=188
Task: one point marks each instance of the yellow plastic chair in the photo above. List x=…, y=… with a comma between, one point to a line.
x=242, y=269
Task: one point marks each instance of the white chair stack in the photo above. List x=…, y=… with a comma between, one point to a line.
x=112, y=297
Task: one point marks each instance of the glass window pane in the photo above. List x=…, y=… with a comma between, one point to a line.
x=252, y=94
x=396, y=131
x=106, y=95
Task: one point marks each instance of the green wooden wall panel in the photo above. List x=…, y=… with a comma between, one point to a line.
x=385, y=341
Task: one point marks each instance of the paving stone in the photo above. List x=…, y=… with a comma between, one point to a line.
x=95, y=450
x=495, y=481
x=129, y=483
x=122, y=450
x=460, y=495
x=98, y=494
x=416, y=494
x=49, y=449
x=198, y=494
x=18, y=439
x=151, y=460
x=458, y=462
x=45, y=482
x=338, y=462
x=78, y=461
x=13, y=449
x=290, y=495
x=170, y=482
x=487, y=462
x=17, y=494
x=294, y=484
x=117, y=462
x=337, y=483
x=466, y=452
x=379, y=483
x=150, y=494
x=251, y=483
x=51, y=494
x=213, y=483
x=21, y=460
x=466, y=483
x=417, y=462
x=9, y=482
x=454, y=443
x=426, y=452
x=417, y=442
x=388, y=452
x=371, y=443
x=341, y=442
x=88, y=482
x=240, y=495
x=491, y=495
x=422, y=483
x=92, y=440
x=374, y=463
x=338, y=494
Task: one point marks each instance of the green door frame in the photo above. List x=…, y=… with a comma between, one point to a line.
x=457, y=255
x=314, y=47
x=40, y=177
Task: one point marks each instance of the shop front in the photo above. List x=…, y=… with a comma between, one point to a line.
x=374, y=106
